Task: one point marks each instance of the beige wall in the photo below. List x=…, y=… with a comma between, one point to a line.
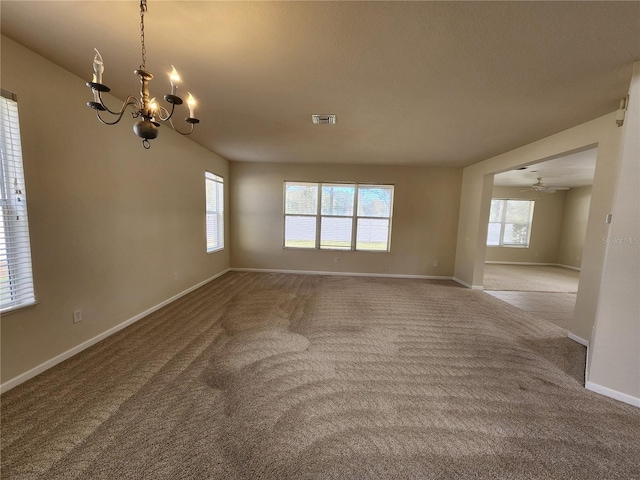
x=425, y=217
x=614, y=359
x=111, y=223
x=477, y=184
x=574, y=226
x=546, y=228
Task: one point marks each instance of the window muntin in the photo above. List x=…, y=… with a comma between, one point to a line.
x=338, y=216
x=510, y=222
x=214, y=186
x=16, y=277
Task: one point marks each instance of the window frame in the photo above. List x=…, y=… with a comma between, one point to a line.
x=503, y=223
x=15, y=238
x=218, y=214
x=319, y=216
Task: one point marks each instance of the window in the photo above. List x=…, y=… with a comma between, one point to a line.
x=510, y=222
x=338, y=216
x=16, y=278
x=215, y=212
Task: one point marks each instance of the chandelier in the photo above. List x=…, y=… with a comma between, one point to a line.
x=144, y=107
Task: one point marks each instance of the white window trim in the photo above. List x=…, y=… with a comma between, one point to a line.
x=354, y=217
x=219, y=180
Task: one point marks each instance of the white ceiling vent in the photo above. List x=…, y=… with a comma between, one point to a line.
x=323, y=119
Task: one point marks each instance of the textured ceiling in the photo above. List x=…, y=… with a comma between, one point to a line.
x=413, y=83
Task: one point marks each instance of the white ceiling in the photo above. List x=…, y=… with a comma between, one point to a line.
x=575, y=170
x=413, y=83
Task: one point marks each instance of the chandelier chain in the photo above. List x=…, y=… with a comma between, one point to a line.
x=143, y=9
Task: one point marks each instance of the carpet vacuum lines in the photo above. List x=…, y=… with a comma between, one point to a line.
x=284, y=376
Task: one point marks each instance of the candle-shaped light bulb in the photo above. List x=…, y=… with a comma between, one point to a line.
x=192, y=103
x=98, y=67
x=153, y=107
x=174, y=78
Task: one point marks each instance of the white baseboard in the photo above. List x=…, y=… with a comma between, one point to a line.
x=14, y=382
x=567, y=266
x=578, y=339
x=608, y=392
x=344, y=274
x=468, y=285
x=533, y=264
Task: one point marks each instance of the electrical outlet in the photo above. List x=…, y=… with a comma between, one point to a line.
x=435, y=263
x=77, y=315
x=336, y=259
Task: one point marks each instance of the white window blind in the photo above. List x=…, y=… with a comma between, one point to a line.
x=301, y=210
x=214, y=212
x=338, y=216
x=336, y=220
x=375, y=203
x=16, y=278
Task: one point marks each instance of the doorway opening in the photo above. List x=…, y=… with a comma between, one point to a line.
x=536, y=235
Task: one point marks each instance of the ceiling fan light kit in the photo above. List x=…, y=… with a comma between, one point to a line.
x=543, y=188
x=144, y=107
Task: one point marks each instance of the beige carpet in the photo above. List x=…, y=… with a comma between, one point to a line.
x=276, y=376
x=530, y=278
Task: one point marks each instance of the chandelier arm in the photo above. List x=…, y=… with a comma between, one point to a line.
x=109, y=123
x=166, y=112
x=181, y=133
x=130, y=100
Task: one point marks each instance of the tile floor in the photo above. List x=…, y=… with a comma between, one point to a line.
x=556, y=308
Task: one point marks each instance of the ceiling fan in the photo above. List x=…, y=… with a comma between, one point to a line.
x=542, y=187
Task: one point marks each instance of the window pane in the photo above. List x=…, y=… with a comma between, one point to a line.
x=300, y=232
x=516, y=234
x=372, y=234
x=212, y=198
x=301, y=198
x=375, y=201
x=215, y=233
x=493, y=236
x=336, y=233
x=5, y=284
x=518, y=211
x=496, y=211
x=338, y=199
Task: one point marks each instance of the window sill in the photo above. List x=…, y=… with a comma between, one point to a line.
x=335, y=250
x=17, y=308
